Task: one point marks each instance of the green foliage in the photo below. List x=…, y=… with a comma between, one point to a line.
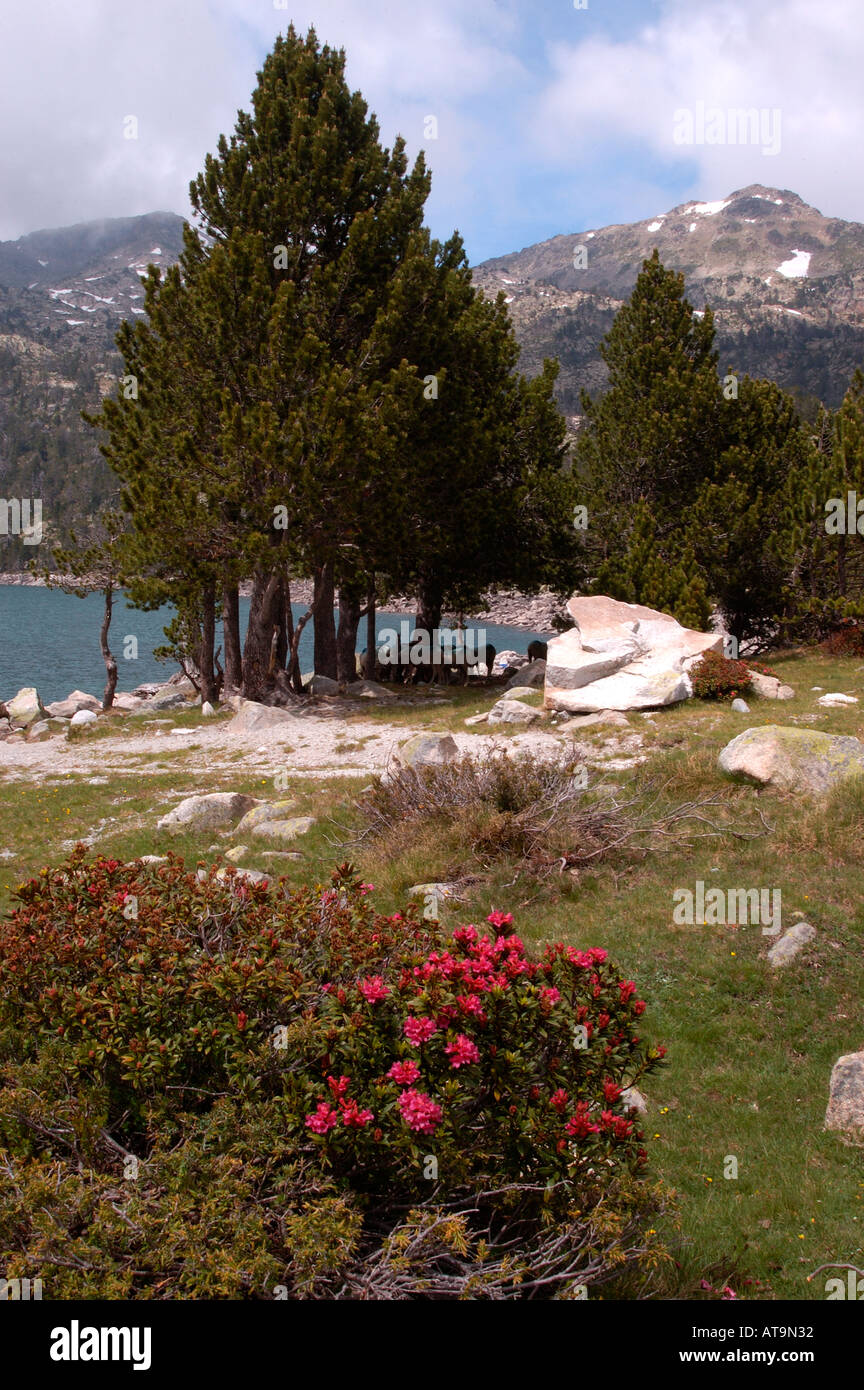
x=643, y=575
x=216, y=1089
x=826, y=556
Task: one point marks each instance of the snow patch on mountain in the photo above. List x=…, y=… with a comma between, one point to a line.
x=797, y=265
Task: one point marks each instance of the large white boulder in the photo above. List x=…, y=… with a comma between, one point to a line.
x=621, y=656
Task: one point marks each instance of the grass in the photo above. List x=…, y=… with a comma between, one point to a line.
x=750, y=1050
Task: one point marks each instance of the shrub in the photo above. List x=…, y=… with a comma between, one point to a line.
x=847, y=639
x=716, y=677
x=496, y=805
x=219, y=1089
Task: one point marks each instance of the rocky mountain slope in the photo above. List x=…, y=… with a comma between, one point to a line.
x=786, y=285
x=63, y=294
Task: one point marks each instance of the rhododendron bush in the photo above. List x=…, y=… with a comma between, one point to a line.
x=212, y=1088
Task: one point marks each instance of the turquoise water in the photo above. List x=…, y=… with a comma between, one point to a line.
x=51, y=640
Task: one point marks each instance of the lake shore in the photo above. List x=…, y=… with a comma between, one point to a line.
x=508, y=607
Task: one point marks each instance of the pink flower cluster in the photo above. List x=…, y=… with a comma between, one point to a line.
x=325, y=1117
x=420, y=1112
x=404, y=1073
x=462, y=1051
x=587, y=959
x=419, y=1030
x=373, y=989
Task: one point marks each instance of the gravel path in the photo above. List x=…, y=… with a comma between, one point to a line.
x=311, y=745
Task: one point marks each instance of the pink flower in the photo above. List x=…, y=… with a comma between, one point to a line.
x=420, y=1112
x=404, y=1073
x=353, y=1116
x=627, y=989
x=558, y=1100
x=367, y=887
x=338, y=1088
x=466, y=936
x=373, y=989
x=550, y=995
x=597, y=954
x=462, y=1051
x=323, y=1119
x=579, y=1125
x=611, y=1092
x=470, y=1004
x=419, y=1030
x=639, y=1006
x=500, y=919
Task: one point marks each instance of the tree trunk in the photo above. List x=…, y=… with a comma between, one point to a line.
x=371, y=666
x=346, y=640
x=429, y=602
x=206, y=653
x=231, y=633
x=292, y=662
x=110, y=663
x=325, y=624
x=264, y=615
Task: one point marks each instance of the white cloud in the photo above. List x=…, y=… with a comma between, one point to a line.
x=71, y=73
x=800, y=58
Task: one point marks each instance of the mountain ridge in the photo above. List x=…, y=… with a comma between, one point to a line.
x=786, y=285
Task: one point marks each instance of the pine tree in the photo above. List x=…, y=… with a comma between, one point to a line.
x=654, y=435
x=738, y=524
x=644, y=575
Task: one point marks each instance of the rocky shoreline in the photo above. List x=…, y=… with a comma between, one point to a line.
x=507, y=608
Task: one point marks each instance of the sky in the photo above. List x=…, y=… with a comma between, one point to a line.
x=550, y=116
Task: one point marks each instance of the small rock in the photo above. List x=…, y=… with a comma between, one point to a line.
x=210, y=812
x=532, y=676
x=770, y=687
x=605, y=716
x=477, y=719
x=432, y=895
x=513, y=712
x=632, y=1099
x=268, y=810
x=250, y=875
x=833, y=698
x=169, y=697
x=283, y=830
x=79, y=699
x=39, y=732
x=793, y=940
x=370, y=690
x=25, y=708
x=83, y=716
x=147, y=858
x=207, y=709
x=508, y=661
x=252, y=717
x=740, y=706
x=323, y=685
x=846, y=1096
x=425, y=750
x=518, y=692
x=236, y=853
